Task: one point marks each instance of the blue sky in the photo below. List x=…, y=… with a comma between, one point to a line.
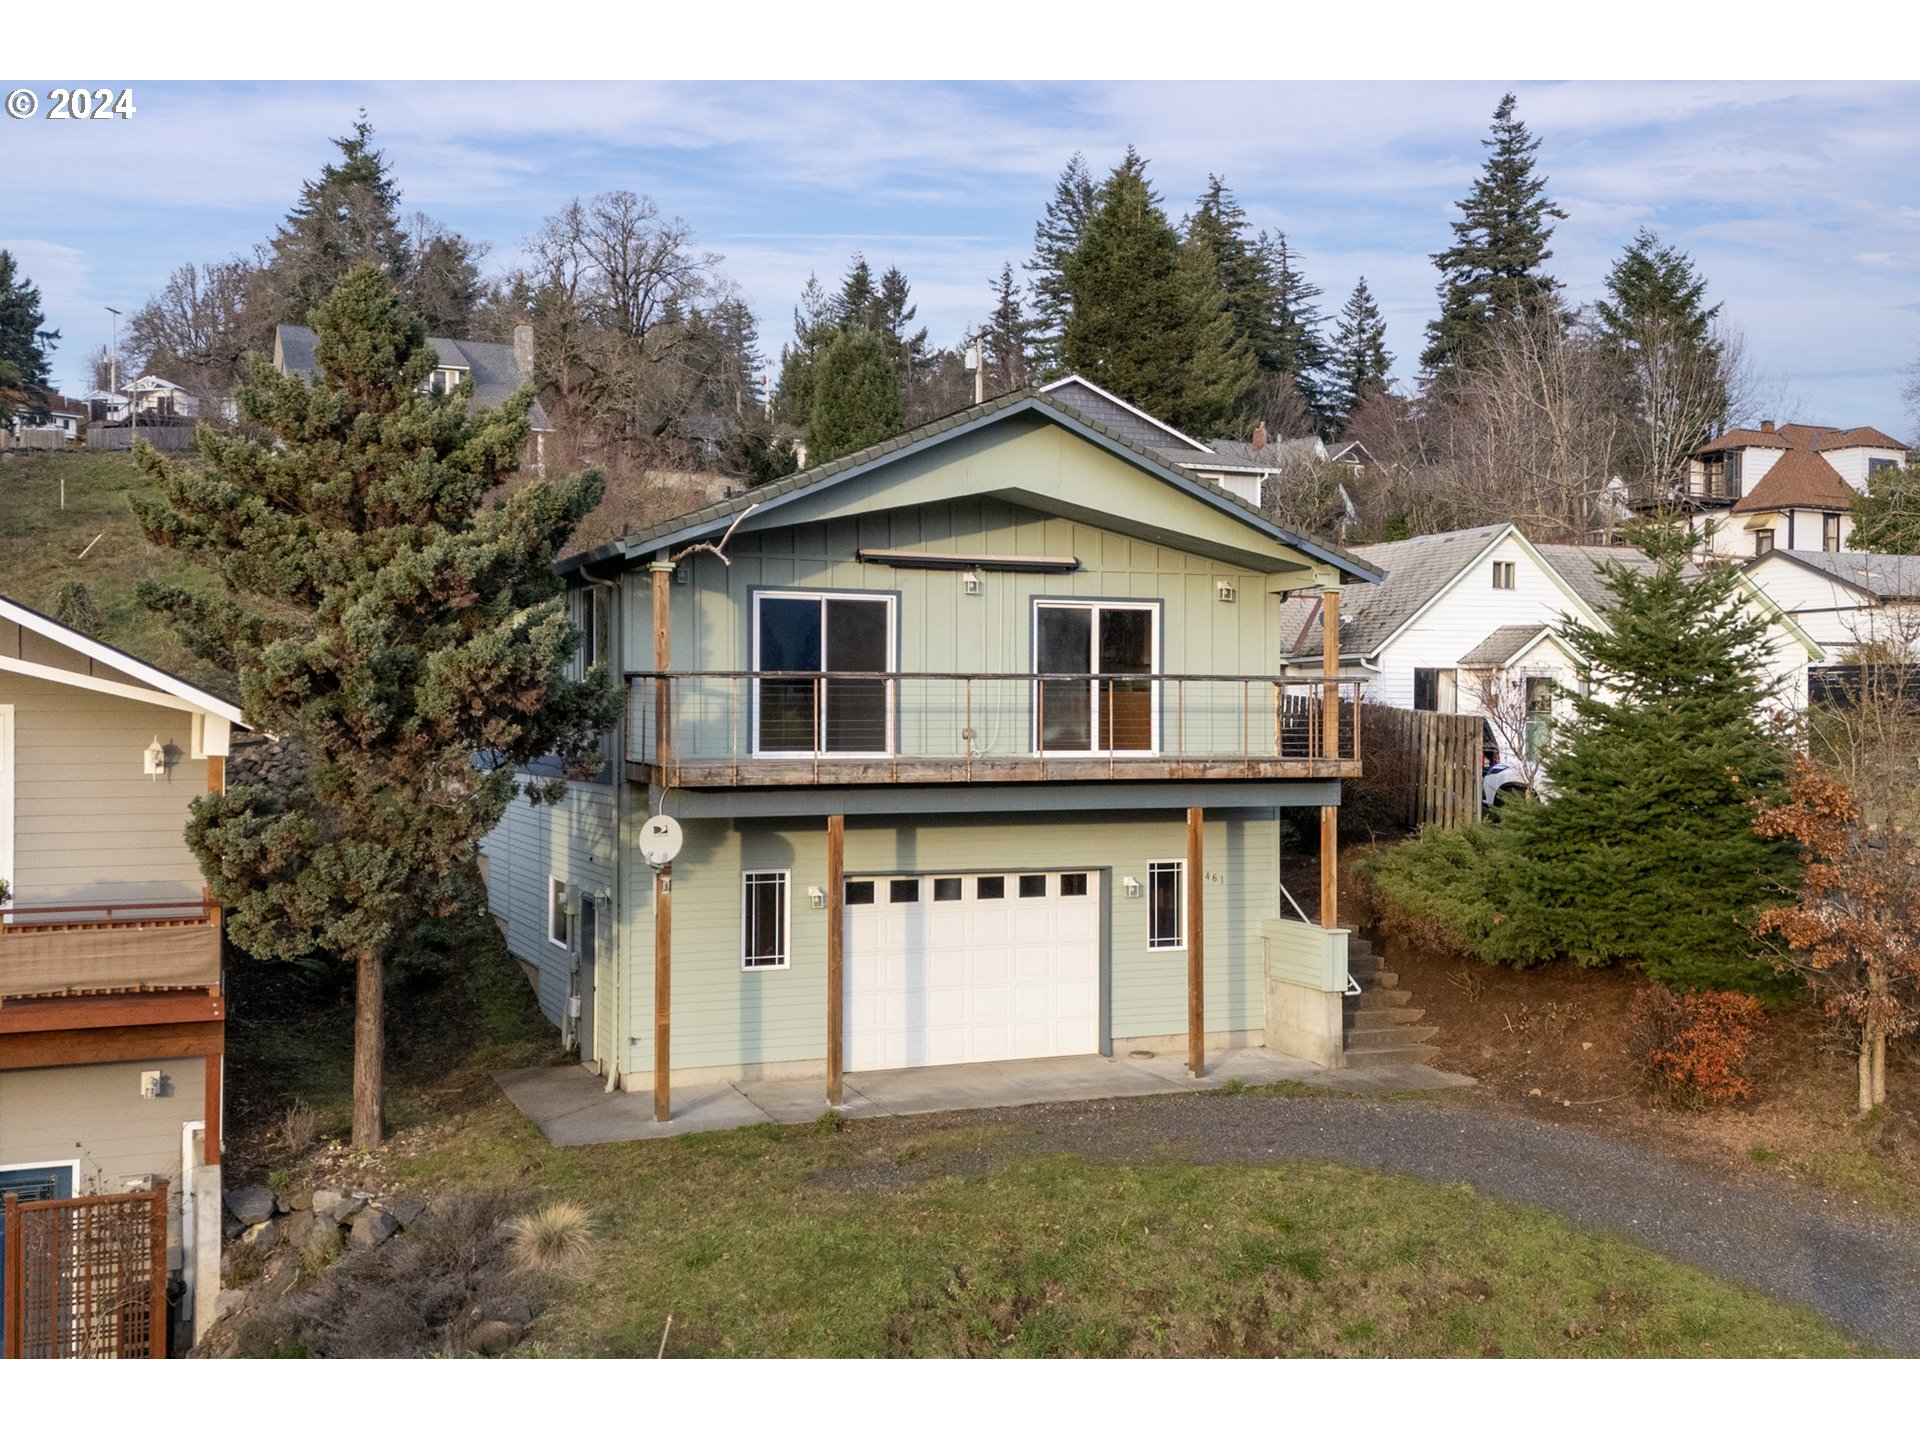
x=1798, y=200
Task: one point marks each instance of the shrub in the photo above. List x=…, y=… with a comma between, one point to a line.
x=1440, y=893
x=1695, y=1047
x=554, y=1237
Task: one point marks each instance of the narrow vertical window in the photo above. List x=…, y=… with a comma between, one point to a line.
x=1166, y=905
x=558, y=930
x=763, y=920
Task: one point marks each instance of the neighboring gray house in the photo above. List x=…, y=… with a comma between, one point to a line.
x=964, y=736
x=496, y=371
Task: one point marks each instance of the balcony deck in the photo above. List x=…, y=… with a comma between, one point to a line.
x=101, y=948
x=784, y=728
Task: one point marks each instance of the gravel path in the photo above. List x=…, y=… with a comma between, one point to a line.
x=1856, y=1267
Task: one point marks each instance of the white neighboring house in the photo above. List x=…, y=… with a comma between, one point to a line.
x=158, y=398
x=58, y=425
x=1845, y=598
x=1473, y=622
x=1787, y=487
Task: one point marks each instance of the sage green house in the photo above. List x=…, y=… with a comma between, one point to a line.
x=974, y=749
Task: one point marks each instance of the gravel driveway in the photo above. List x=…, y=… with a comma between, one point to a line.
x=1858, y=1268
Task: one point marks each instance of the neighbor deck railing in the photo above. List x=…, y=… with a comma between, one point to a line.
x=90, y=946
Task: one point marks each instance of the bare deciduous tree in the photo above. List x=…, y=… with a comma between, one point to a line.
x=196, y=331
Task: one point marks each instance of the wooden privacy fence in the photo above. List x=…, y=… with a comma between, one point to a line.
x=1426, y=765
x=121, y=437
x=86, y=1278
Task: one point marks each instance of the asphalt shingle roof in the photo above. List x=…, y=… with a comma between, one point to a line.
x=1502, y=645
x=496, y=375
x=1797, y=478
x=1580, y=566
x=1885, y=577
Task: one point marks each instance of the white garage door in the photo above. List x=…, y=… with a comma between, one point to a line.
x=946, y=969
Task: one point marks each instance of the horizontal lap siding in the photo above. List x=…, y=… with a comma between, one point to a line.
x=573, y=840
x=723, y=1015
x=88, y=821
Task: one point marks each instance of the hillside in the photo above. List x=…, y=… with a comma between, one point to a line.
x=42, y=547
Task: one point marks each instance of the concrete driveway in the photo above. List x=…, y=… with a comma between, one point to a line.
x=570, y=1107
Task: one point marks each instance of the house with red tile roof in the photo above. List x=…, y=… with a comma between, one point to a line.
x=1787, y=487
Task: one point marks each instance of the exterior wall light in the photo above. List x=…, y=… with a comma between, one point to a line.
x=974, y=583
x=155, y=758
x=816, y=897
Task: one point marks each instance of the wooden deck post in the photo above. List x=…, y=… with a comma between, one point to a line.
x=1330, y=748
x=662, y=992
x=836, y=951
x=1196, y=948
x=157, y=1274
x=210, y=1132
x=663, y=877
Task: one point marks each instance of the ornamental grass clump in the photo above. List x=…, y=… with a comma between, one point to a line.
x=554, y=1237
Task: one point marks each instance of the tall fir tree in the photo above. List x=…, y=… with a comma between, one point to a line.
x=856, y=306
x=891, y=319
x=1296, y=348
x=1056, y=235
x=1147, y=320
x=407, y=636
x=349, y=216
x=1358, y=362
x=1657, y=326
x=1494, y=270
x=25, y=345
x=856, y=397
x=1646, y=852
x=1218, y=226
x=814, y=326
x=1008, y=338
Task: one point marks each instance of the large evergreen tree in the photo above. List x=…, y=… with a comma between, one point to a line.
x=1645, y=852
x=25, y=346
x=1056, y=235
x=1218, y=226
x=1008, y=338
x=1358, y=362
x=814, y=328
x=856, y=397
x=1494, y=270
x=1148, y=320
x=407, y=636
x=1656, y=324
x=347, y=217
x=1294, y=345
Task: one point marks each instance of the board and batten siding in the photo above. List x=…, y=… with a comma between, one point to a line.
x=726, y=1016
x=574, y=840
x=89, y=823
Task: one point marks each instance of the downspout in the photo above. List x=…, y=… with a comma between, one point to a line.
x=614, y=1046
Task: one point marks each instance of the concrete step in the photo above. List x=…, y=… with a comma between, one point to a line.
x=1376, y=979
x=1369, y=1035
x=1360, y=1013
x=1361, y=1058
x=1376, y=999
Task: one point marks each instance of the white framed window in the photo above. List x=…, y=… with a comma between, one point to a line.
x=1762, y=542
x=1115, y=645
x=1503, y=574
x=1830, y=532
x=1166, y=905
x=559, y=923
x=591, y=608
x=847, y=713
x=765, y=899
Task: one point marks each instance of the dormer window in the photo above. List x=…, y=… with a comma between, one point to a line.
x=445, y=379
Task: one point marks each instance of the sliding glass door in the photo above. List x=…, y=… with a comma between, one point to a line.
x=1115, y=647
x=849, y=711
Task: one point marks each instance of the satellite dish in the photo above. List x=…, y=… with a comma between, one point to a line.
x=660, y=840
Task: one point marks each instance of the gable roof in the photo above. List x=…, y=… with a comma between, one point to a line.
x=1579, y=566
x=1795, y=436
x=495, y=373
x=1071, y=386
x=713, y=518
x=1241, y=455
x=1884, y=577
x=1500, y=647
x=46, y=626
x=1798, y=478
x=1416, y=571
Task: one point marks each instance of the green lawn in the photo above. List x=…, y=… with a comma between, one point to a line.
x=895, y=1238
x=41, y=545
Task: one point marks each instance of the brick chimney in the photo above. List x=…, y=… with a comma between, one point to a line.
x=1766, y=427
x=523, y=349
x=1260, y=437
